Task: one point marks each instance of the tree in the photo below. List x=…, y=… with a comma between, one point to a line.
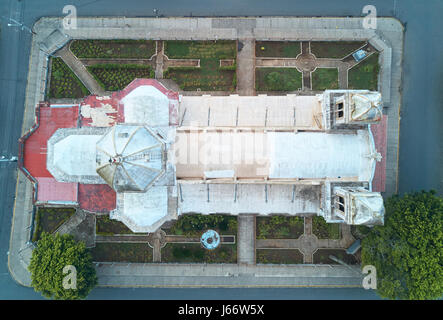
x=408, y=250
x=52, y=255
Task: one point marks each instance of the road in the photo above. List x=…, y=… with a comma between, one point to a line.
x=421, y=146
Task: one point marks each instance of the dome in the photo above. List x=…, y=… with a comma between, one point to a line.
x=130, y=158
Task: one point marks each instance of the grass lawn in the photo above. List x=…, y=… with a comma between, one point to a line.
x=107, y=49
x=325, y=230
x=194, y=225
x=277, y=79
x=277, y=49
x=279, y=227
x=279, y=256
x=50, y=219
x=113, y=77
x=195, y=253
x=105, y=226
x=64, y=83
x=321, y=256
x=365, y=74
x=324, y=78
x=334, y=49
x=209, y=76
x=122, y=252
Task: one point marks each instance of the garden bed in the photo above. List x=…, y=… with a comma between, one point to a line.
x=321, y=256
x=324, y=230
x=365, y=74
x=360, y=232
x=64, y=83
x=277, y=49
x=279, y=227
x=278, y=79
x=334, y=49
x=113, y=77
x=122, y=252
x=324, y=79
x=195, y=253
x=50, y=219
x=279, y=256
x=119, y=49
x=193, y=225
x=106, y=227
x=210, y=76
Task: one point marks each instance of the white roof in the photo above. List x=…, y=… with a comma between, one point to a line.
x=249, y=198
x=142, y=211
x=320, y=155
x=146, y=105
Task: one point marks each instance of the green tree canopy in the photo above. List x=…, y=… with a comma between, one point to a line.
x=408, y=250
x=52, y=255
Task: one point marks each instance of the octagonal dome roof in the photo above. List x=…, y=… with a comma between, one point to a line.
x=130, y=158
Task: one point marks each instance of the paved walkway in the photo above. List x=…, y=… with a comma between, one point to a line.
x=82, y=226
x=246, y=67
x=246, y=239
x=80, y=71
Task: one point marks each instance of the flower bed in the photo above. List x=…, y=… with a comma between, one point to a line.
x=113, y=77
x=279, y=256
x=195, y=253
x=334, y=49
x=122, y=252
x=209, y=76
x=277, y=79
x=108, y=49
x=324, y=230
x=105, y=226
x=50, y=219
x=64, y=83
x=365, y=74
x=193, y=225
x=321, y=256
x=324, y=79
x=279, y=227
x=277, y=49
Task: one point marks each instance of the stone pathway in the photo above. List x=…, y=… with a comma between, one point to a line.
x=246, y=67
x=246, y=239
x=80, y=71
x=159, y=60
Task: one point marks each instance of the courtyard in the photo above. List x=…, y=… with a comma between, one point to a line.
x=211, y=67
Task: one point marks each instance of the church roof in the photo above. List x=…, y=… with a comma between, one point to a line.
x=130, y=158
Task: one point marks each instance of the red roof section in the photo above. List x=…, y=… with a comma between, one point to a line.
x=90, y=197
x=35, y=149
x=96, y=197
x=118, y=108
x=380, y=136
x=50, y=189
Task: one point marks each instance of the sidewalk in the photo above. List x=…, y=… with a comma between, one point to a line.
x=50, y=36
